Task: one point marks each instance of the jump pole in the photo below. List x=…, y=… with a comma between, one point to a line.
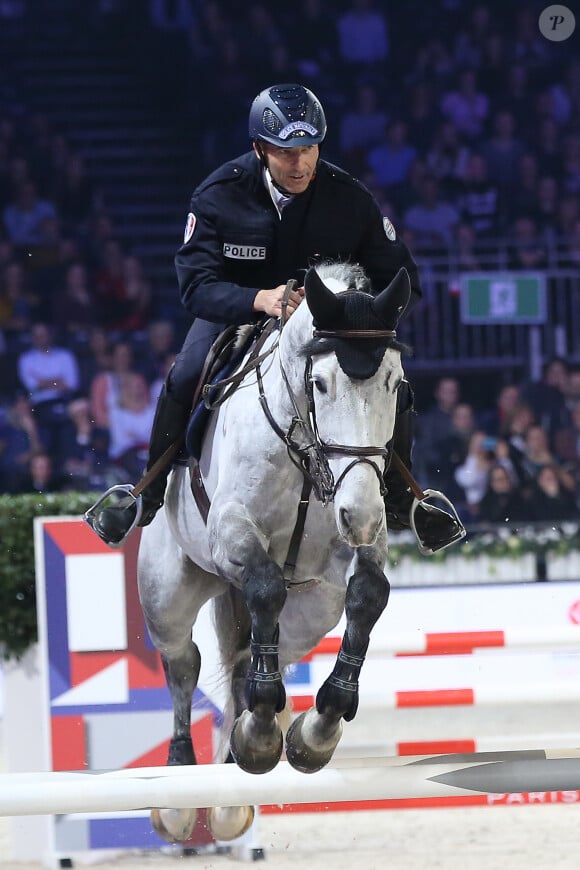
x=357, y=779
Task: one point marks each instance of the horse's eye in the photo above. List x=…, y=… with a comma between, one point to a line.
x=320, y=384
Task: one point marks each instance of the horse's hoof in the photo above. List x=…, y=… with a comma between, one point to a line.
x=229, y=823
x=312, y=756
x=259, y=752
x=173, y=826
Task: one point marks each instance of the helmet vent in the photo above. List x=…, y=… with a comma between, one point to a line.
x=271, y=122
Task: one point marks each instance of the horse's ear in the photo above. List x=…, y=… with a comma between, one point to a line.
x=390, y=304
x=326, y=308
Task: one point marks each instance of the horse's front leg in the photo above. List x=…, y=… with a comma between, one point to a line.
x=314, y=735
x=256, y=740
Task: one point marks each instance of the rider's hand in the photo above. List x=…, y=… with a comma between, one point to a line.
x=270, y=301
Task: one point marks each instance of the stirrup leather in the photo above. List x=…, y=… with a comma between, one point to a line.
x=118, y=491
x=439, y=496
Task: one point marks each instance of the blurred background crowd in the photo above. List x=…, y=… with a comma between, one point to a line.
x=461, y=117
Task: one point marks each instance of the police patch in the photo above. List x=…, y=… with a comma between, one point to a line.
x=244, y=252
x=189, y=227
x=389, y=229
x=297, y=127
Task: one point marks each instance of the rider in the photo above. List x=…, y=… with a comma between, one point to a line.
x=254, y=223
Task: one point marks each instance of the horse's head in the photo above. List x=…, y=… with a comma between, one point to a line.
x=350, y=361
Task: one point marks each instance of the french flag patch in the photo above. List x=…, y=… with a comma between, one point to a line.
x=189, y=227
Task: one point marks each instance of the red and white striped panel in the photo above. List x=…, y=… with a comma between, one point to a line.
x=463, y=642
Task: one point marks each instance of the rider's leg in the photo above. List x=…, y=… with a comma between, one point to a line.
x=171, y=416
x=436, y=527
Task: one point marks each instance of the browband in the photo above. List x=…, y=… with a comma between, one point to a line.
x=355, y=333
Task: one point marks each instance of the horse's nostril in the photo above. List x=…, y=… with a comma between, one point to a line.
x=344, y=518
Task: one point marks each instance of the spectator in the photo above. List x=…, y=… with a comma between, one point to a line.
x=433, y=219
x=15, y=299
x=362, y=127
x=553, y=497
x=452, y=451
x=94, y=357
x=363, y=34
x=435, y=424
x=503, y=152
x=313, y=44
x=536, y=453
x=497, y=420
x=517, y=423
x=423, y=114
x=528, y=251
x=567, y=445
x=503, y=501
x=74, y=195
x=547, y=397
x=571, y=164
x=42, y=476
x=473, y=473
x=391, y=160
x=448, y=159
x=548, y=148
x=74, y=306
x=19, y=439
x=479, y=201
x=130, y=423
x=465, y=257
x=161, y=343
x=24, y=215
x=51, y=376
x=466, y=107
x=524, y=199
x=107, y=387
x=86, y=451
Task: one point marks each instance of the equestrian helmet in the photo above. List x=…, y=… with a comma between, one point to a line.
x=287, y=116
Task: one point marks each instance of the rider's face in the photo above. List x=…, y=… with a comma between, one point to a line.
x=291, y=168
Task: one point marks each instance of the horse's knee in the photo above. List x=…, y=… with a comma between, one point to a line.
x=264, y=589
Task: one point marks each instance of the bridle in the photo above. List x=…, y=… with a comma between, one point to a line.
x=306, y=448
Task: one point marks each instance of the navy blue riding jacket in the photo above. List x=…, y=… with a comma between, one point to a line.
x=236, y=242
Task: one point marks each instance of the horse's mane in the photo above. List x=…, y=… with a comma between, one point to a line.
x=348, y=276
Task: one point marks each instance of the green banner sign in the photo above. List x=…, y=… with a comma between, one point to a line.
x=503, y=297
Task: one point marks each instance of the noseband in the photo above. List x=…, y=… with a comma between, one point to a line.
x=309, y=452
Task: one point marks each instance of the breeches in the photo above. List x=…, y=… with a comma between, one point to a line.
x=186, y=371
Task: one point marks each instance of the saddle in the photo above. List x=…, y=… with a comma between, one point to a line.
x=222, y=359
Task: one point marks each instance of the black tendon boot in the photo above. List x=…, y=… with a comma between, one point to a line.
x=435, y=528
x=113, y=523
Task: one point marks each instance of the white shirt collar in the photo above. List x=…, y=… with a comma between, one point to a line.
x=278, y=198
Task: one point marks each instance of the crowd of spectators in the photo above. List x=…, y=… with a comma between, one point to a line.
x=464, y=123
x=515, y=462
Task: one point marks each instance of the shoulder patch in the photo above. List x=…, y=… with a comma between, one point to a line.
x=189, y=227
x=389, y=229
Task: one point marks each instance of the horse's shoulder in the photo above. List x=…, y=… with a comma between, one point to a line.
x=234, y=171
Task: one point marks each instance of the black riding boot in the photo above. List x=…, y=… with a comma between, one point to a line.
x=436, y=528
x=113, y=523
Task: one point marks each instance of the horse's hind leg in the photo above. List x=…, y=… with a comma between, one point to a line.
x=233, y=629
x=172, y=591
x=314, y=735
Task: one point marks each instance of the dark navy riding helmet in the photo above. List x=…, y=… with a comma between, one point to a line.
x=287, y=116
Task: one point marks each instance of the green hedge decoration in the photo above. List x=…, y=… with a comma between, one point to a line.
x=17, y=583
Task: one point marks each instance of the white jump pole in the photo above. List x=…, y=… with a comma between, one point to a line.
x=350, y=779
